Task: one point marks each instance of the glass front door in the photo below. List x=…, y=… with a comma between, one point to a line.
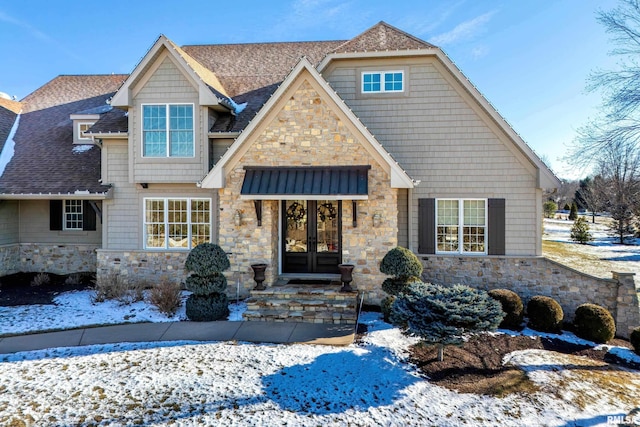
x=311, y=236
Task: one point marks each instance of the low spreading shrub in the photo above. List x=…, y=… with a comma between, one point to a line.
x=40, y=279
x=202, y=308
x=73, y=279
x=512, y=307
x=167, y=297
x=545, y=314
x=635, y=339
x=444, y=315
x=594, y=323
x=114, y=286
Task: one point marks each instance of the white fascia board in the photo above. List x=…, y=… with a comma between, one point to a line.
x=304, y=196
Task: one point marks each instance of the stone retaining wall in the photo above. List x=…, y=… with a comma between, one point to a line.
x=530, y=276
x=44, y=257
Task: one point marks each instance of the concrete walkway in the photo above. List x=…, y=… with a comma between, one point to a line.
x=257, y=332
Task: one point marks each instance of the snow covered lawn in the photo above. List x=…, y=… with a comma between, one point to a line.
x=235, y=383
x=598, y=258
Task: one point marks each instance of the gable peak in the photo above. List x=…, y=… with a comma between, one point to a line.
x=382, y=37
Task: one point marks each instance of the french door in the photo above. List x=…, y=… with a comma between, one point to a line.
x=311, y=238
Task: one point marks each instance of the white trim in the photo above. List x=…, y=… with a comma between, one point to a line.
x=382, y=75
x=64, y=215
x=461, y=225
x=168, y=130
x=216, y=176
x=165, y=201
x=80, y=133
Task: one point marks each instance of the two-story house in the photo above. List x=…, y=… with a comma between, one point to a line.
x=301, y=155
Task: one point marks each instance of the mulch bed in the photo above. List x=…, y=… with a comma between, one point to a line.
x=18, y=289
x=476, y=366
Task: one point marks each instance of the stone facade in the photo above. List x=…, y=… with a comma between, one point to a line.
x=307, y=132
x=530, y=276
x=148, y=266
x=56, y=259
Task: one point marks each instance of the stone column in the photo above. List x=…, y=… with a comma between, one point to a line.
x=628, y=304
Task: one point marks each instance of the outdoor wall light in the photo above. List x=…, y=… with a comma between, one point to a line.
x=237, y=218
x=377, y=219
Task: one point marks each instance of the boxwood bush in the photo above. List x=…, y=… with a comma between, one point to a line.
x=401, y=263
x=512, y=307
x=209, y=300
x=545, y=314
x=594, y=323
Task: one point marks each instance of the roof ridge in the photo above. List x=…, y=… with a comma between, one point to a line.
x=389, y=27
x=261, y=43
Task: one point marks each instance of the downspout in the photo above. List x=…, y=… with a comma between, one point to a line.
x=410, y=219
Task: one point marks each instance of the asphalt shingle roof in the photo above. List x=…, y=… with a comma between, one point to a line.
x=44, y=159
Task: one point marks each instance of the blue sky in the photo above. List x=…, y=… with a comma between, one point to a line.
x=530, y=58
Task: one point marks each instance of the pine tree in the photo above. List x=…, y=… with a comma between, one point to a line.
x=549, y=207
x=580, y=231
x=573, y=215
x=443, y=315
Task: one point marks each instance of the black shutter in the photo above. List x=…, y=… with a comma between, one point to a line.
x=427, y=226
x=55, y=215
x=496, y=231
x=88, y=216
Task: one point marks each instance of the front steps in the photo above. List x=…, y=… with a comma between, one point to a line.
x=311, y=303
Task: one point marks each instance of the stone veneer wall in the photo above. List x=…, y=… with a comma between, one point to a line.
x=149, y=266
x=9, y=259
x=44, y=257
x=530, y=276
x=306, y=131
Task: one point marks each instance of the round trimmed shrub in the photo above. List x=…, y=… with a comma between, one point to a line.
x=635, y=339
x=395, y=286
x=206, y=308
x=206, y=285
x=545, y=314
x=512, y=307
x=207, y=259
x=385, y=307
x=401, y=263
x=594, y=323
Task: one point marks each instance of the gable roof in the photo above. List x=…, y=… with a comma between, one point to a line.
x=9, y=110
x=216, y=177
x=46, y=163
x=210, y=91
x=381, y=37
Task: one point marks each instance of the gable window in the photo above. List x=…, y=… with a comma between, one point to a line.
x=167, y=130
x=179, y=223
x=82, y=128
x=461, y=226
x=382, y=81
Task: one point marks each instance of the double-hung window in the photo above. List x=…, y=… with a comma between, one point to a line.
x=167, y=130
x=72, y=218
x=382, y=81
x=461, y=226
x=176, y=223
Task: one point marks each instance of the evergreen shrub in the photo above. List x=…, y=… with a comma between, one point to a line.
x=401, y=263
x=545, y=314
x=511, y=306
x=209, y=300
x=202, y=308
x=635, y=339
x=594, y=323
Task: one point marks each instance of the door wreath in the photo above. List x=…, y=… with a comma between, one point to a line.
x=327, y=211
x=296, y=212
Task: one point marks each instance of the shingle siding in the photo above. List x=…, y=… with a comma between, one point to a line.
x=441, y=137
x=9, y=222
x=35, y=227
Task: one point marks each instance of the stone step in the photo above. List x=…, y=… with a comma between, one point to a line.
x=303, y=303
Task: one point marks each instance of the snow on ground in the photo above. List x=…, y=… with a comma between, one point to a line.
x=235, y=383
x=76, y=309
x=603, y=247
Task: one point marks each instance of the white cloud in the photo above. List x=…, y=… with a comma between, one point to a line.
x=464, y=31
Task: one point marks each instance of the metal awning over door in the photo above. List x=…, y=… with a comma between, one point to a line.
x=306, y=182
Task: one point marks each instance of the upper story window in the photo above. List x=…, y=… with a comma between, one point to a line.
x=382, y=81
x=167, y=130
x=82, y=128
x=461, y=226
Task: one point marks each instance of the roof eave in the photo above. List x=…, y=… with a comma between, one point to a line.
x=58, y=196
